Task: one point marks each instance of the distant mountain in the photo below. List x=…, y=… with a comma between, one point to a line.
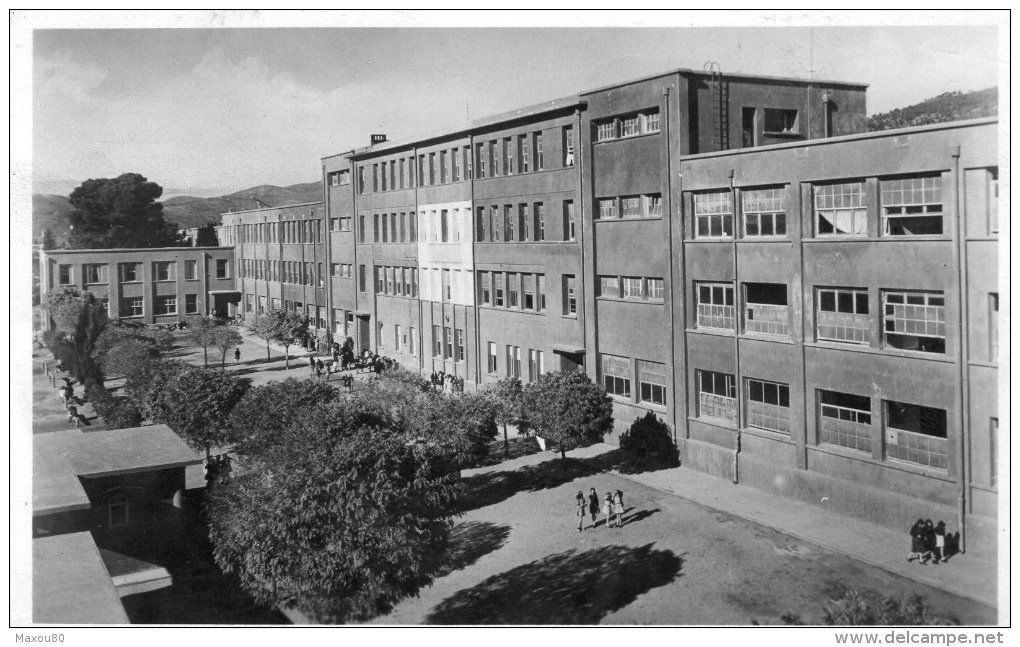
x=948, y=106
x=188, y=211
x=50, y=212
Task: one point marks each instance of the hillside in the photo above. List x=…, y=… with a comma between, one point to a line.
x=188, y=211
x=948, y=106
x=51, y=210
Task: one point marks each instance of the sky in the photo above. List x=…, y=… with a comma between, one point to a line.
x=208, y=111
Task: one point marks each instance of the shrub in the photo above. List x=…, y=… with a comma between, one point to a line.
x=163, y=339
x=650, y=437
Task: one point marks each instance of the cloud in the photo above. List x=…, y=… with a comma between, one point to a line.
x=61, y=77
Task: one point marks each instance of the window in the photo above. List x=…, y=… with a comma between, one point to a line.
x=133, y=307
x=485, y=280
x=539, y=221
x=653, y=203
x=605, y=130
x=768, y=405
x=494, y=157
x=539, y=153
x=633, y=287
x=442, y=167
x=396, y=338
x=190, y=304
x=480, y=160
x=651, y=121
x=249, y=301
x=629, y=126
x=915, y=321
x=496, y=226
x=411, y=336
x=166, y=305
x=568, y=146
x=541, y=291
x=385, y=228
x=319, y=275
x=764, y=212
x=993, y=326
x=459, y=347
x=569, y=221
x=993, y=451
x=766, y=311
x=630, y=207
x=432, y=169
x=412, y=227
x=993, y=203
x=345, y=223
x=508, y=155
x=533, y=364
x=513, y=361
x=334, y=269
x=845, y=420
x=444, y=225
x=713, y=214
x=437, y=342
x=715, y=306
x=651, y=382
x=916, y=434
x=508, y=222
x=781, y=121
x=455, y=166
x=339, y=178
x=361, y=228
x=607, y=209
x=912, y=206
x=165, y=270
x=843, y=315
x=717, y=396
x=840, y=210
x=96, y=272
x=528, y=284
x=498, y=280
x=447, y=295
x=615, y=374
x=609, y=287
x=513, y=288
x=492, y=358
x=117, y=509
x=524, y=150
x=468, y=164
x=656, y=291
x=362, y=278
x=569, y=295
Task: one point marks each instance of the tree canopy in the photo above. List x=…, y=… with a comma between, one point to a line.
x=81, y=318
x=286, y=328
x=260, y=417
x=193, y=401
x=507, y=397
x=569, y=409
x=340, y=518
x=224, y=338
x=121, y=212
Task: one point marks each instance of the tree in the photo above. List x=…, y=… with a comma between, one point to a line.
x=340, y=519
x=262, y=327
x=650, y=437
x=460, y=425
x=194, y=402
x=569, y=409
x=507, y=398
x=81, y=318
x=49, y=241
x=131, y=358
x=118, y=213
x=225, y=338
x=287, y=328
x=202, y=335
x=264, y=411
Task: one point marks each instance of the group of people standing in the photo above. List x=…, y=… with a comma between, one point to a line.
x=71, y=404
x=611, y=507
x=927, y=542
x=217, y=468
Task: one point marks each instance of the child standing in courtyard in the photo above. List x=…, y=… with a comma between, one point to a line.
x=607, y=508
x=618, y=508
x=593, y=506
x=580, y=505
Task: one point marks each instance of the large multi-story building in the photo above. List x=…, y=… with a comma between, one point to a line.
x=810, y=307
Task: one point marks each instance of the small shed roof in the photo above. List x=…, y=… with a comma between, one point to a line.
x=70, y=583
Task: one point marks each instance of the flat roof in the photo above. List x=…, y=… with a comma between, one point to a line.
x=55, y=487
x=124, y=451
x=60, y=458
x=726, y=75
x=70, y=584
x=872, y=134
x=134, y=250
x=283, y=206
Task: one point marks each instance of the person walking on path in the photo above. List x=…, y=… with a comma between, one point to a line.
x=916, y=541
x=607, y=509
x=237, y=355
x=593, y=506
x=618, y=508
x=940, y=541
x=581, y=506
x=311, y=362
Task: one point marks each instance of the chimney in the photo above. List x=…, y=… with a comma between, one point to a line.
x=378, y=139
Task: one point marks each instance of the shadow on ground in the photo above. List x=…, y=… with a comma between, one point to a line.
x=567, y=588
x=494, y=487
x=469, y=542
x=517, y=447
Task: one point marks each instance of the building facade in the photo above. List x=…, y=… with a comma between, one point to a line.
x=810, y=307
x=148, y=286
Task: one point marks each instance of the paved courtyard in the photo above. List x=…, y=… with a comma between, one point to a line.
x=517, y=558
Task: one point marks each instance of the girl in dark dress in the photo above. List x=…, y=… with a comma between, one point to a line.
x=916, y=541
x=593, y=506
x=581, y=505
